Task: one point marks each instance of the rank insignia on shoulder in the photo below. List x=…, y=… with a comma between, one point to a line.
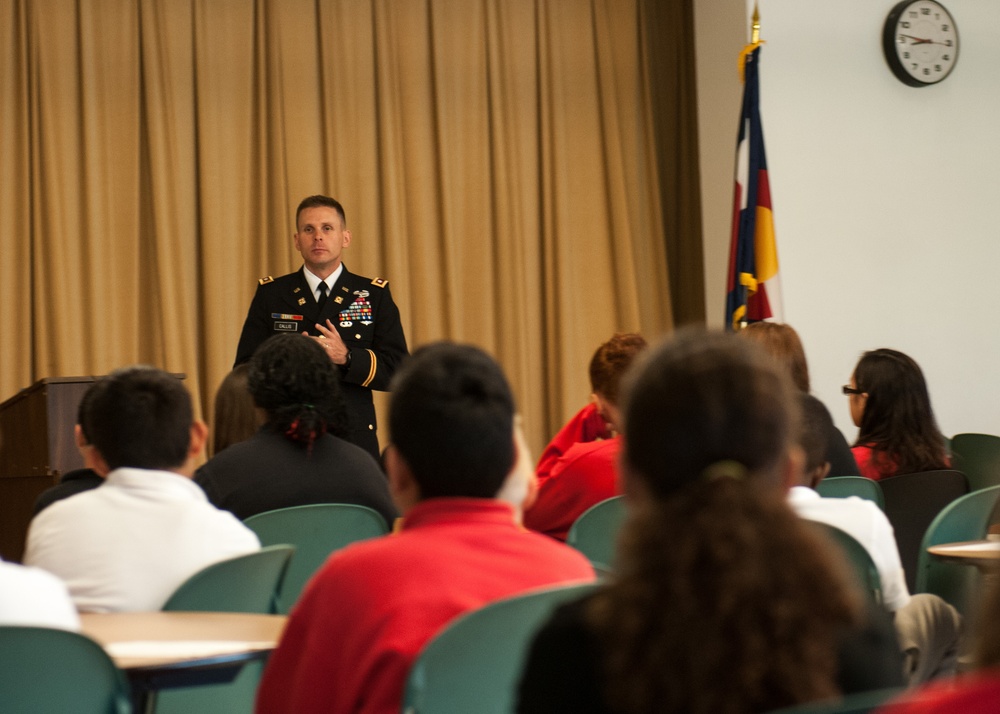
x=265, y=280
x=380, y=282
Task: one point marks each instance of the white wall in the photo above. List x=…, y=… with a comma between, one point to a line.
x=885, y=201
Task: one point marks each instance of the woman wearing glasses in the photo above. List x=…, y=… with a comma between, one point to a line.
x=897, y=433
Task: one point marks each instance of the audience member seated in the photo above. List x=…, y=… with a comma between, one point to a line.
x=577, y=469
x=928, y=628
x=782, y=343
x=298, y=457
x=897, y=433
x=363, y=618
x=77, y=480
x=236, y=416
x=29, y=596
x=723, y=599
x=128, y=544
x=977, y=692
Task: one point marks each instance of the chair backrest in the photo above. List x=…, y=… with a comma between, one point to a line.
x=978, y=457
x=316, y=531
x=967, y=518
x=861, y=703
x=595, y=532
x=474, y=664
x=844, y=486
x=246, y=583
x=48, y=671
x=859, y=559
x=912, y=501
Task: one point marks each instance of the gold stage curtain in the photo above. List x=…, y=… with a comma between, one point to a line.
x=499, y=161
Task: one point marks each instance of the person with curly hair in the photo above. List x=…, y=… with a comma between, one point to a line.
x=299, y=456
x=897, y=432
x=723, y=600
x=577, y=469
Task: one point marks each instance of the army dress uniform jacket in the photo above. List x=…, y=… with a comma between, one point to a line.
x=362, y=311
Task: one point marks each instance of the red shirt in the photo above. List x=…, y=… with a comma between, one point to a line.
x=586, y=425
x=869, y=468
x=363, y=618
x=584, y=476
x=977, y=693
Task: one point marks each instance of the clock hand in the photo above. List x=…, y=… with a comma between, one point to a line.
x=920, y=41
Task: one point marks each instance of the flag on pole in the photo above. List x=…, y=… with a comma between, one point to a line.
x=753, y=290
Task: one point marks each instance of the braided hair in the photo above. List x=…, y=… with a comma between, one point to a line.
x=293, y=380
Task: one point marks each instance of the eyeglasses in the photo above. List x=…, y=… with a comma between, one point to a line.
x=848, y=389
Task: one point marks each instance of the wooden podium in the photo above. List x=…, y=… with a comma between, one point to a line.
x=37, y=447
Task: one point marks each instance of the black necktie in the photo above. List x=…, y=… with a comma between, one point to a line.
x=322, y=295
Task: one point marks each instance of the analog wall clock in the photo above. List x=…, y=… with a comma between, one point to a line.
x=920, y=42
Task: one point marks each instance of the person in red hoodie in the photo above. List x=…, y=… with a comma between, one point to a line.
x=577, y=468
x=364, y=617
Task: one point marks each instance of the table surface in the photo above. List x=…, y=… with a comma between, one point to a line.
x=973, y=550
x=155, y=640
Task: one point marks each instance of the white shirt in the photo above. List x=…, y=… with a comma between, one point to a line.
x=315, y=280
x=128, y=544
x=29, y=596
x=867, y=524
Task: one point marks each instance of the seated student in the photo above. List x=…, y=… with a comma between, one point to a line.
x=363, y=618
x=128, y=544
x=77, y=480
x=782, y=343
x=236, y=416
x=577, y=469
x=977, y=692
x=298, y=457
x=723, y=600
x=928, y=628
x=30, y=596
x=897, y=433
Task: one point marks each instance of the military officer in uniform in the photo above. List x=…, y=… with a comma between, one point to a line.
x=352, y=317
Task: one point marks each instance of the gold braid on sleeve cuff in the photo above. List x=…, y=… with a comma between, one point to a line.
x=372, y=370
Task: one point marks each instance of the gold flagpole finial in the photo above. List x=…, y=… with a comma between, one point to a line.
x=755, y=27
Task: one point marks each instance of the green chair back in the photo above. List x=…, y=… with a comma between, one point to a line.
x=912, y=502
x=474, y=664
x=844, y=486
x=978, y=457
x=247, y=583
x=862, y=565
x=49, y=671
x=967, y=518
x=861, y=703
x=316, y=531
x=595, y=532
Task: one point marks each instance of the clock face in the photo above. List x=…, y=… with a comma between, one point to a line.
x=920, y=42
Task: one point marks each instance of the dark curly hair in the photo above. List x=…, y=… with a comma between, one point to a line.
x=293, y=380
x=610, y=362
x=723, y=601
x=898, y=422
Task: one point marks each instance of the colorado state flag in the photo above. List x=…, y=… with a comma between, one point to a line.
x=753, y=292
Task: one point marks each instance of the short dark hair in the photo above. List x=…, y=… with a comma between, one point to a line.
x=451, y=416
x=610, y=362
x=139, y=417
x=293, y=380
x=814, y=433
x=319, y=201
x=81, y=409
